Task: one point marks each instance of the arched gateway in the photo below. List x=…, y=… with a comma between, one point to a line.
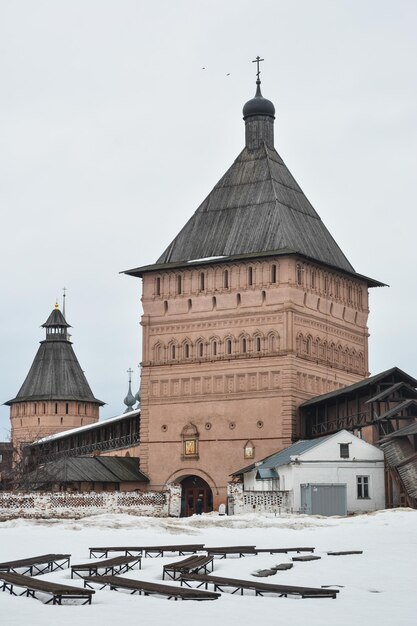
x=196, y=496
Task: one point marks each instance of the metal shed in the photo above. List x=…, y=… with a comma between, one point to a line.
x=323, y=499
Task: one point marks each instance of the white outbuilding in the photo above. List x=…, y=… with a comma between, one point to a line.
x=333, y=475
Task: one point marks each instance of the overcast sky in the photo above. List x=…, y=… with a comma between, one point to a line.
x=111, y=134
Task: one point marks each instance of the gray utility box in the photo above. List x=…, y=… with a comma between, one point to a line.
x=323, y=499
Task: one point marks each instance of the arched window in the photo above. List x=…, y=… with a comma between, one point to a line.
x=244, y=345
x=226, y=279
x=157, y=355
x=228, y=346
x=173, y=351
x=300, y=274
x=35, y=408
x=202, y=284
x=273, y=273
x=187, y=350
x=214, y=348
x=56, y=408
x=165, y=306
x=66, y=408
x=273, y=342
x=349, y=294
x=309, y=345
x=238, y=299
x=200, y=349
x=179, y=285
x=250, y=276
x=258, y=344
x=158, y=286
x=214, y=302
x=313, y=279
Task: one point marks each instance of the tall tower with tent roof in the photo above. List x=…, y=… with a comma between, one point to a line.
x=55, y=395
x=252, y=309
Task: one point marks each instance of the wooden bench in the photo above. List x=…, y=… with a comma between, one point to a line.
x=146, y=588
x=307, y=557
x=37, y=564
x=196, y=564
x=223, y=551
x=182, y=550
x=116, y=565
x=259, y=588
x=31, y=586
x=345, y=552
x=284, y=550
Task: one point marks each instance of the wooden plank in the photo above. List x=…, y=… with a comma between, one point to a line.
x=147, y=550
x=32, y=585
x=219, y=582
x=118, y=564
x=284, y=550
x=37, y=564
x=150, y=588
x=344, y=552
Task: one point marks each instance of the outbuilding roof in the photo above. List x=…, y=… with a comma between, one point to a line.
x=411, y=429
x=104, y=469
x=394, y=374
x=283, y=457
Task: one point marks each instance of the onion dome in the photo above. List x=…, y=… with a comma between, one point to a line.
x=258, y=105
x=130, y=399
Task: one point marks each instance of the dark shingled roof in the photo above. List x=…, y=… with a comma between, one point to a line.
x=55, y=373
x=56, y=319
x=393, y=374
x=257, y=206
x=89, y=469
x=256, y=209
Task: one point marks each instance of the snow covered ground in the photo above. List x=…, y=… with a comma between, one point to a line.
x=377, y=587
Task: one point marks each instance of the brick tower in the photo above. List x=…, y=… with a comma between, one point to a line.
x=55, y=395
x=252, y=309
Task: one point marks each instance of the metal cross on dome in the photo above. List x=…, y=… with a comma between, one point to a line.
x=257, y=61
x=130, y=372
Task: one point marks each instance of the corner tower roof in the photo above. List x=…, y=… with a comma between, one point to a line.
x=55, y=373
x=256, y=209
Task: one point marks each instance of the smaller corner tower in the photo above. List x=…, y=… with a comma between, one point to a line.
x=55, y=395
